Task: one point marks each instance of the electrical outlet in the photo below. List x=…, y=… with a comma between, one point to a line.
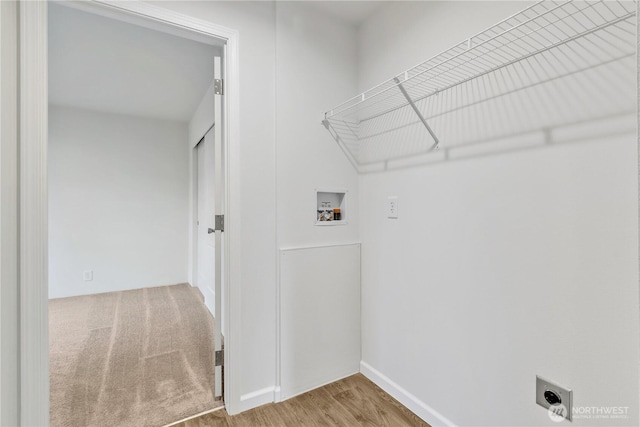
x=557, y=399
x=392, y=207
x=87, y=275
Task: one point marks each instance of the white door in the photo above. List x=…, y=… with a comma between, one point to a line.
x=211, y=225
x=219, y=195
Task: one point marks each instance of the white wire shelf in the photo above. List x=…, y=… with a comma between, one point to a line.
x=552, y=64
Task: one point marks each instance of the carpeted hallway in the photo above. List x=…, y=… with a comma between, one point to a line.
x=131, y=358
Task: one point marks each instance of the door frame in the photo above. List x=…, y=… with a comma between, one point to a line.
x=32, y=191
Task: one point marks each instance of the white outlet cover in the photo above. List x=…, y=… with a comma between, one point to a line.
x=392, y=207
x=87, y=275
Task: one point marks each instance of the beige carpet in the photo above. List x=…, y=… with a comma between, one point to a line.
x=132, y=358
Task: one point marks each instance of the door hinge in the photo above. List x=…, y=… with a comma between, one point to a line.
x=219, y=358
x=219, y=223
x=218, y=86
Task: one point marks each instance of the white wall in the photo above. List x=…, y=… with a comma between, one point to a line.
x=501, y=267
x=315, y=71
x=281, y=108
x=396, y=39
x=254, y=350
x=9, y=302
x=118, y=188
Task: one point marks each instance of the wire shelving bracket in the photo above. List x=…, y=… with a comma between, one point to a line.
x=553, y=63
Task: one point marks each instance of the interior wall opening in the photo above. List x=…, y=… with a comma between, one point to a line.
x=131, y=330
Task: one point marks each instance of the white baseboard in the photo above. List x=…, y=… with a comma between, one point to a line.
x=256, y=398
x=415, y=405
x=277, y=394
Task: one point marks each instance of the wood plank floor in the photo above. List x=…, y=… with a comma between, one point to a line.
x=353, y=401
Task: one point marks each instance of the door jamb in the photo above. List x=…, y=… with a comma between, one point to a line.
x=32, y=187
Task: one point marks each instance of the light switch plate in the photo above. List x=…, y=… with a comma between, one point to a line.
x=561, y=410
x=392, y=207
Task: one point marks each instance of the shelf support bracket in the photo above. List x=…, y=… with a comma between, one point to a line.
x=341, y=143
x=436, y=145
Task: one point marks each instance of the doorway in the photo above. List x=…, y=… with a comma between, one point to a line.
x=32, y=365
x=141, y=165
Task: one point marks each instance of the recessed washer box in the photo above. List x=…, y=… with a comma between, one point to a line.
x=331, y=207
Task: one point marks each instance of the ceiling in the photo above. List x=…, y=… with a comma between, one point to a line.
x=352, y=12
x=107, y=65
